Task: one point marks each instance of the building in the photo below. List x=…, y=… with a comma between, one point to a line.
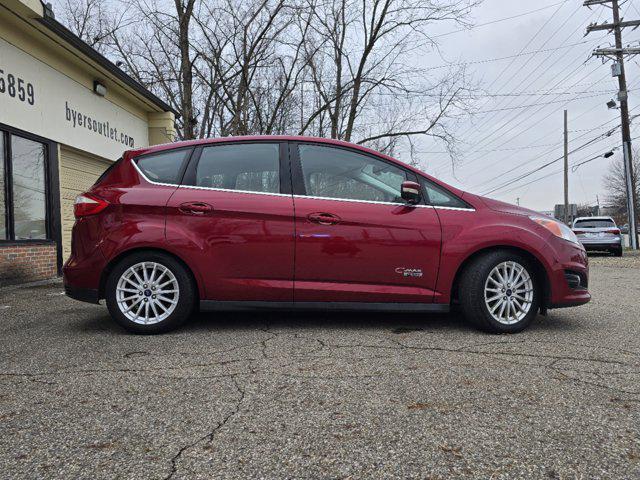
x=66, y=113
x=558, y=212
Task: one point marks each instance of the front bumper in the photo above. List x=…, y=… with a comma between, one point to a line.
x=571, y=261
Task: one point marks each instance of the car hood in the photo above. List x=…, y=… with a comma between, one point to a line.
x=498, y=206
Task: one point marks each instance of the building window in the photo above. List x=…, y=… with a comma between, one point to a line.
x=23, y=200
x=3, y=191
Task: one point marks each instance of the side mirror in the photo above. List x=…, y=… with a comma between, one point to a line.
x=410, y=191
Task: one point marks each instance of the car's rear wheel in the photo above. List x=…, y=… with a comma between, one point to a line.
x=617, y=252
x=149, y=292
x=499, y=292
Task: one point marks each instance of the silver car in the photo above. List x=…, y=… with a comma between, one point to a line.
x=598, y=233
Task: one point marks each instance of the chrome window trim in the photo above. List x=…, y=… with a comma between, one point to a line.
x=230, y=190
x=135, y=165
x=460, y=209
x=359, y=201
x=384, y=203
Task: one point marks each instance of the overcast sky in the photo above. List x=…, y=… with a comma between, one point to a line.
x=521, y=139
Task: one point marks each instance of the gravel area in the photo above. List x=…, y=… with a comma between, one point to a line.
x=284, y=395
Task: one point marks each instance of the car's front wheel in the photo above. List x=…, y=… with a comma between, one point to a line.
x=499, y=292
x=149, y=292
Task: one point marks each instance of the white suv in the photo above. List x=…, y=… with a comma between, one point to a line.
x=598, y=233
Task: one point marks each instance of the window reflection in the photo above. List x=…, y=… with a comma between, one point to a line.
x=29, y=196
x=3, y=205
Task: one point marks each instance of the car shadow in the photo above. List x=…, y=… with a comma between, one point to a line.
x=291, y=320
x=599, y=254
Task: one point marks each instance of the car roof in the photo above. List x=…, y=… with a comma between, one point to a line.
x=286, y=138
x=254, y=138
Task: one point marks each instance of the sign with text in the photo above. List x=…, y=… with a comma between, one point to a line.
x=41, y=100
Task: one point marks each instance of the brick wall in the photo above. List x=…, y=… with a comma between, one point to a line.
x=27, y=263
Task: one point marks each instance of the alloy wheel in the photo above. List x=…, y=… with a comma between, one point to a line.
x=508, y=292
x=147, y=293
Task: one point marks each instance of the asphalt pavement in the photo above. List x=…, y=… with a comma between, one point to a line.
x=289, y=395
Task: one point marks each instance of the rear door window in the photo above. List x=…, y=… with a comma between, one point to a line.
x=249, y=167
x=163, y=167
x=600, y=223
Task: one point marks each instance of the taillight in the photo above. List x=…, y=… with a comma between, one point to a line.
x=615, y=231
x=87, y=204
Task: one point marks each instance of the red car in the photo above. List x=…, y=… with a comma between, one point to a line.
x=308, y=223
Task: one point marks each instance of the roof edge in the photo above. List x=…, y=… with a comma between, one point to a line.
x=71, y=38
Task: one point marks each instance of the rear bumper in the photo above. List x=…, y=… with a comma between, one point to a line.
x=88, y=295
x=601, y=246
x=82, y=271
x=601, y=243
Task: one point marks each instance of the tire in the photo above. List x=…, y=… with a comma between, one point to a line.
x=617, y=252
x=476, y=306
x=167, y=309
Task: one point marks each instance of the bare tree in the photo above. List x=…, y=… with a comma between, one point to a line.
x=250, y=64
x=347, y=69
x=93, y=21
x=615, y=183
x=363, y=68
x=156, y=51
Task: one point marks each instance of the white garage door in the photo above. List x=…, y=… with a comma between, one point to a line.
x=78, y=171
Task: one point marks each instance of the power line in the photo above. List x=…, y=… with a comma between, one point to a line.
x=486, y=140
x=514, y=126
x=517, y=55
x=536, y=78
x=537, y=169
x=492, y=22
x=542, y=155
x=493, y=118
x=517, y=71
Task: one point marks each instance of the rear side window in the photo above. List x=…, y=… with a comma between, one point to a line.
x=252, y=167
x=439, y=197
x=601, y=223
x=106, y=172
x=163, y=167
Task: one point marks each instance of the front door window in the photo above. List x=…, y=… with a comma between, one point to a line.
x=339, y=173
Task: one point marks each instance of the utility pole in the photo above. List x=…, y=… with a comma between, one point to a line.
x=617, y=54
x=566, y=170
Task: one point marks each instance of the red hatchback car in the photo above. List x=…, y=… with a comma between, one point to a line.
x=308, y=223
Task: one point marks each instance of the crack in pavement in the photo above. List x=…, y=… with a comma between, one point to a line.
x=210, y=435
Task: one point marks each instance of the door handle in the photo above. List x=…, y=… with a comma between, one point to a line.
x=195, y=208
x=323, y=218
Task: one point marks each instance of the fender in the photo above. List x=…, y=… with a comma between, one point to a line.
x=148, y=235
x=462, y=240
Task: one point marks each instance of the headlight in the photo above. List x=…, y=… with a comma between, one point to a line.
x=559, y=229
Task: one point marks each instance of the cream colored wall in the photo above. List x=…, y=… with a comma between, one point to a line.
x=78, y=172
x=46, y=47
x=161, y=128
